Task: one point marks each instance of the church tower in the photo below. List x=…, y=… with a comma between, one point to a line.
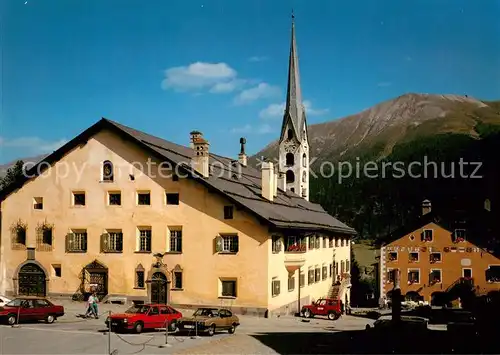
x=293, y=143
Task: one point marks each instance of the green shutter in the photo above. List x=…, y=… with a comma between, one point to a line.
x=218, y=244
x=104, y=242
x=69, y=241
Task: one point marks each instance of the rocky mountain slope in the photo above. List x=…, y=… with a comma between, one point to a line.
x=389, y=123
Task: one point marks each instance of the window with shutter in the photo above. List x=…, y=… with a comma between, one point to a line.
x=302, y=279
x=312, y=242
x=291, y=283
x=276, y=287
x=317, y=274
x=310, y=276
x=229, y=244
x=218, y=244
x=317, y=243
x=324, y=273
x=76, y=242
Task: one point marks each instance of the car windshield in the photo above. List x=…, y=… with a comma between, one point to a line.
x=204, y=312
x=138, y=309
x=15, y=303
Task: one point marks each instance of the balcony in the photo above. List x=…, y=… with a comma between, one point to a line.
x=295, y=256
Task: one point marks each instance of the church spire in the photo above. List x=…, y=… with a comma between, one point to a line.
x=294, y=110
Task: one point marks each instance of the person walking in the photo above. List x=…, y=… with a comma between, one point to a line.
x=95, y=309
x=90, y=306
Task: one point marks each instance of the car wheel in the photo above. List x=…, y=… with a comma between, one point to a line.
x=336, y=316
x=11, y=319
x=232, y=329
x=138, y=327
x=50, y=319
x=211, y=330
x=173, y=327
x=307, y=313
x=331, y=316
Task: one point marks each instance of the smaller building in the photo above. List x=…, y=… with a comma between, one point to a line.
x=435, y=256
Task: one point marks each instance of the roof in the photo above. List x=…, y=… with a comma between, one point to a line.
x=287, y=211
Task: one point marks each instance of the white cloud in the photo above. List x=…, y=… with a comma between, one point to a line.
x=32, y=144
x=217, y=77
x=257, y=59
x=248, y=129
x=261, y=91
x=384, y=84
x=225, y=87
x=277, y=110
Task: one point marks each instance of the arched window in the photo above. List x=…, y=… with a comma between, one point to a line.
x=304, y=160
x=290, y=176
x=290, y=134
x=107, y=171
x=290, y=159
x=139, y=276
x=304, y=176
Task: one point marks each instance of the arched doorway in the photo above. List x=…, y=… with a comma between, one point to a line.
x=32, y=281
x=159, y=288
x=95, y=279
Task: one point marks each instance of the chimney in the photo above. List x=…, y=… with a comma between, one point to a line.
x=275, y=184
x=267, y=169
x=426, y=207
x=242, y=157
x=200, y=160
x=281, y=181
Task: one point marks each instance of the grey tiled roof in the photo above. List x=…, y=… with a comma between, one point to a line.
x=243, y=185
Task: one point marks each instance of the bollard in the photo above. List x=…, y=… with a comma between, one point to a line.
x=195, y=329
x=109, y=333
x=17, y=318
x=166, y=345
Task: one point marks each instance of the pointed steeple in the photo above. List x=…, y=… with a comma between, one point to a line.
x=294, y=110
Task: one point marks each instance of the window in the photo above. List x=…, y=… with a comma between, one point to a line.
x=112, y=241
x=304, y=177
x=413, y=257
x=310, y=276
x=41, y=303
x=228, y=212
x=467, y=273
x=337, y=242
x=289, y=134
x=393, y=256
x=178, y=280
x=76, y=242
x=176, y=240
x=342, y=268
x=139, y=276
x=115, y=198
x=330, y=273
x=330, y=242
x=291, y=283
x=302, y=279
x=492, y=274
x=289, y=159
x=347, y=265
x=427, y=235
x=144, y=198
x=38, y=203
x=275, y=287
x=172, y=198
x=228, y=288
x=290, y=177
x=57, y=270
x=312, y=242
x=229, y=244
x=435, y=277
x=459, y=235
x=391, y=275
x=79, y=198
x=295, y=244
x=144, y=240
x=317, y=243
x=317, y=274
x=324, y=242
x=292, y=189
x=435, y=257
x=341, y=242
x=304, y=160
x=413, y=277
x=44, y=237
x=276, y=244
x=324, y=272
x=107, y=171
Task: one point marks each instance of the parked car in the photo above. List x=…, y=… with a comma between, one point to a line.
x=331, y=308
x=140, y=317
x=209, y=320
x=4, y=300
x=30, y=309
x=385, y=323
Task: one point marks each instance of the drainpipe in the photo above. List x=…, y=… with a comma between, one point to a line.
x=298, y=294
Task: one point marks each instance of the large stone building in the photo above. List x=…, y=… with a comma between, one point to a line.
x=131, y=215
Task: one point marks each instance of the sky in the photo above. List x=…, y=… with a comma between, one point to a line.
x=220, y=66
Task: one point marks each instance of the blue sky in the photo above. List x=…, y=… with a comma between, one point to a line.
x=220, y=66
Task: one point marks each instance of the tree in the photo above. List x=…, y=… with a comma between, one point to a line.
x=13, y=174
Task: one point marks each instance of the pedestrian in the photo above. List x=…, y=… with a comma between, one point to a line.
x=90, y=306
x=94, y=306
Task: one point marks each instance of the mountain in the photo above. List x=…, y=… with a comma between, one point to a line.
x=412, y=128
x=395, y=121
x=29, y=161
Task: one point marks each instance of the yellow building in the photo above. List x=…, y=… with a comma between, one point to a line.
x=134, y=216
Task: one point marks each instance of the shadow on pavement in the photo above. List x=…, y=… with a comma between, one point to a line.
x=375, y=342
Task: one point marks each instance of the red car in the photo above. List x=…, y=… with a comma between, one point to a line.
x=30, y=309
x=149, y=316
x=323, y=307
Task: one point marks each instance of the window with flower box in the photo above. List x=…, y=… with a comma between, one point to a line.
x=427, y=235
x=459, y=236
x=393, y=256
x=413, y=257
x=435, y=257
x=295, y=244
x=435, y=277
x=413, y=276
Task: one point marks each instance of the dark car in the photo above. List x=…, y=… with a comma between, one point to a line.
x=30, y=309
x=208, y=321
x=149, y=316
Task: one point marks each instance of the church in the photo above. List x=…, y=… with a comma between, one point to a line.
x=135, y=217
